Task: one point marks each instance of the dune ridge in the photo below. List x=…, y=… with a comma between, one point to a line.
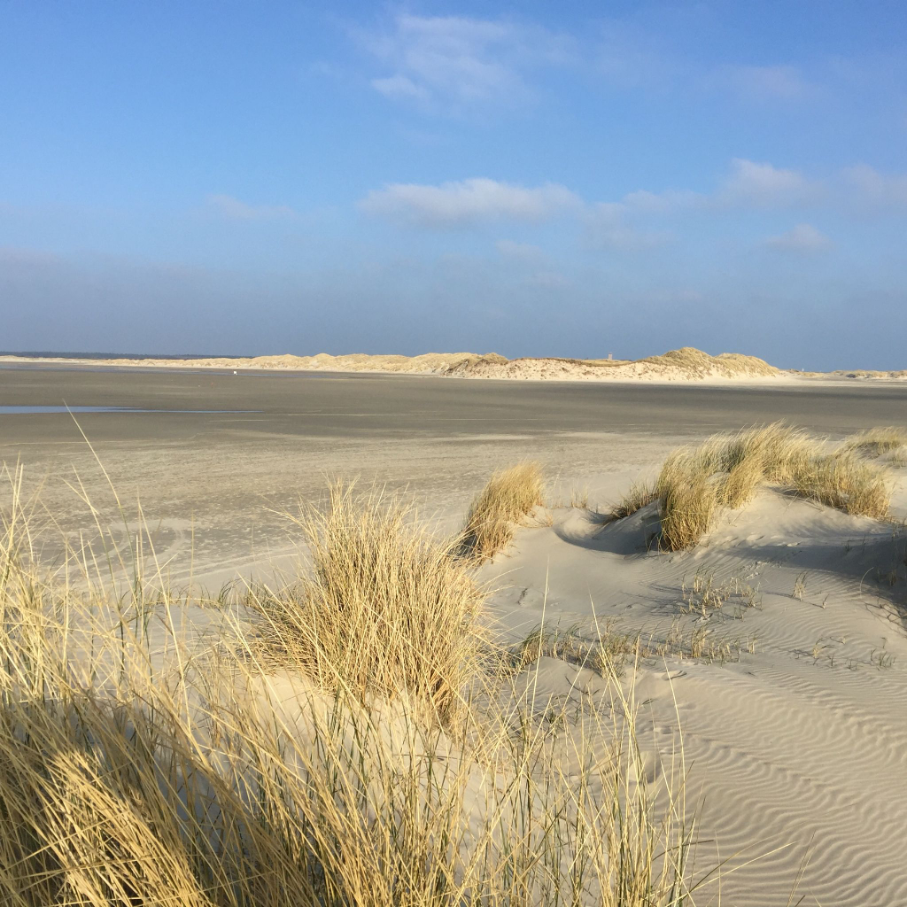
x=684, y=364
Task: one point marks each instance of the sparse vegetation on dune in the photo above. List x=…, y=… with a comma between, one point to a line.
x=639, y=496
x=727, y=470
x=874, y=442
x=278, y=770
x=844, y=482
x=609, y=652
x=508, y=498
x=386, y=608
x=696, y=363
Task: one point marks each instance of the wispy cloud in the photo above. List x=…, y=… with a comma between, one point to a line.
x=467, y=203
x=610, y=225
x=763, y=185
x=803, y=238
x=454, y=62
x=234, y=210
x=401, y=87
x=643, y=219
x=645, y=202
x=868, y=189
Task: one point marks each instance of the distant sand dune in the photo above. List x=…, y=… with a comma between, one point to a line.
x=685, y=364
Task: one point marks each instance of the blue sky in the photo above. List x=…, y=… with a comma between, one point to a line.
x=570, y=179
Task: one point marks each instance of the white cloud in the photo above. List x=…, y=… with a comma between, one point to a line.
x=400, y=87
x=765, y=186
x=234, y=210
x=467, y=203
x=765, y=83
x=646, y=202
x=802, y=238
x=627, y=223
x=630, y=239
x=868, y=188
x=748, y=185
x=608, y=226
x=456, y=61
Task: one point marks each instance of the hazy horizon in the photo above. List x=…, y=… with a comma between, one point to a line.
x=534, y=180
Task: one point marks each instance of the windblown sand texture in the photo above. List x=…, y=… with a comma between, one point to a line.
x=792, y=711
x=764, y=664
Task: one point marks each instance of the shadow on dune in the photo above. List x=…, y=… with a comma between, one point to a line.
x=632, y=535
x=875, y=562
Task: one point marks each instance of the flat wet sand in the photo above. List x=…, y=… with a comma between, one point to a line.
x=350, y=405
x=212, y=482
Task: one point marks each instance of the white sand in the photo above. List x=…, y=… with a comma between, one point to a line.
x=796, y=751
x=798, y=746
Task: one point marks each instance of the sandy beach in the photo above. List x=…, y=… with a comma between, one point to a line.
x=791, y=706
x=269, y=440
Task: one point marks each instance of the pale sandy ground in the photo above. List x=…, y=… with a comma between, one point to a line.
x=797, y=748
x=801, y=743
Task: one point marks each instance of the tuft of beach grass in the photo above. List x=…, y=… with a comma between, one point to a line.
x=507, y=499
x=727, y=470
x=268, y=768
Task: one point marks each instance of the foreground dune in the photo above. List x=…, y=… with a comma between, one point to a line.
x=723, y=723
x=686, y=364
x=792, y=717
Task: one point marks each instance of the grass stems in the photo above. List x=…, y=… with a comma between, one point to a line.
x=385, y=609
x=508, y=497
x=315, y=760
x=727, y=470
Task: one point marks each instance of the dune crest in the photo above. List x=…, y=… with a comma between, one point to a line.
x=684, y=364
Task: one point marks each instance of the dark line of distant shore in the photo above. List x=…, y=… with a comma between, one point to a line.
x=43, y=354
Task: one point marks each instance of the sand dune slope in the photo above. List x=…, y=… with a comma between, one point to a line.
x=796, y=750
x=685, y=364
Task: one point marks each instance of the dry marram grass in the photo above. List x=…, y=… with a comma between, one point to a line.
x=639, y=496
x=688, y=500
x=728, y=469
x=844, y=482
x=508, y=497
x=385, y=609
x=215, y=776
x=874, y=442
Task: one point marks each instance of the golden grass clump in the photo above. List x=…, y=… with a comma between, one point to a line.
x=728, y=469
x=740, y=484
x=688, y=499
x=640, y=495
x=878, y=441
x=509, y=496
x=779, y=450
x=386, y=609
x=844, y=482
x=182, y=772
